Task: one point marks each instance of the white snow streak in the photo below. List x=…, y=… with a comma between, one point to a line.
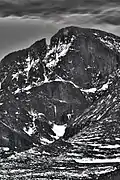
x=110, y=42
x=15, y=76
x=104, y=87
x=59, y=51
x=28, y=88
x=92, y=161
x=17, y=91
x=91, y=90
x=45, y=141
x=5, y=148
x=30, y=131
x=29, y=65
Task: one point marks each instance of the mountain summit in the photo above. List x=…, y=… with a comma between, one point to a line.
x=63, y=96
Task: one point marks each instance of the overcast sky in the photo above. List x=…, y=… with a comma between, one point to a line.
x=24, y=21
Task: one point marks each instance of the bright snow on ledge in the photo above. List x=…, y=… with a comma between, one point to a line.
x=105, y=86
x=92, y=160
x=60, y=51
x=110, y=42
x=45, y=141
x=30, y=131
x=59, y=130
x=93, y=90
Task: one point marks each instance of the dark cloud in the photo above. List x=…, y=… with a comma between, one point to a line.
x=39, y=7
x=110, y=15
x=56, y=9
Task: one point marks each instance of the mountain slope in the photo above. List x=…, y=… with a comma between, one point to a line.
x=65, y=77
x=63, y=98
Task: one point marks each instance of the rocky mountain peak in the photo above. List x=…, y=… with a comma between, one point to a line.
x=57, y=82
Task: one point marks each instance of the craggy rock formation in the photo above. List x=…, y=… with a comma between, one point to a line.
x=71, y=86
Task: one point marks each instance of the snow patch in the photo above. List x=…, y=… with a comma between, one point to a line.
x=117, y=139
x=5, y=149
x=110, y=146
x=55, y=110
x=45, y=153
x=91, y=90
x=29, y=65
x=28, y=92
x=15, y=76
x=107, y=43
x=17, y=91
x=104, y=87
x=92, y=160
x=45, y=141
x=12, y=157
x=29, y=131
x=110, y=169
x=59, y=51
x=59, y=79
x=28, y=88
x=110, y=42
x=59, y=130
x=69, y=116
x=95, y=34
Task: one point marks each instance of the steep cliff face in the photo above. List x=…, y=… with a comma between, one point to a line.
x=89, y=60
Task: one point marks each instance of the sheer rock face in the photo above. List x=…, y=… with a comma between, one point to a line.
x=57, y=84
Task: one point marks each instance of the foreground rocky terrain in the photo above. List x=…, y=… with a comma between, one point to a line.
x=59, y=108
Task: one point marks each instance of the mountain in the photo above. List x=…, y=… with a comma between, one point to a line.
x=61, y=102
